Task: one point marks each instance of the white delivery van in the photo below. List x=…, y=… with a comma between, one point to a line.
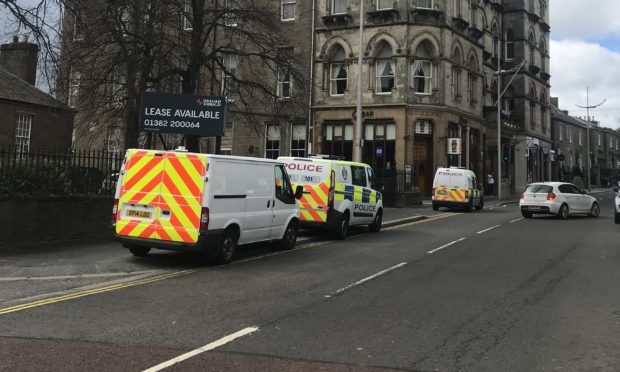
x=456, y=187
x=183, y=201
x=336, y=193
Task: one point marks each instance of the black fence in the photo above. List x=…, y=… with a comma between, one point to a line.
x=50, y=173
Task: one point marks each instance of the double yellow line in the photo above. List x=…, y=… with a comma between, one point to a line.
x=90, y=292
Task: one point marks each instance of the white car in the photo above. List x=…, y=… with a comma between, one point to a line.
x=558, y=198
x=617, y=205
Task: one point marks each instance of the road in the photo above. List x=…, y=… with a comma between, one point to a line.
x=458, y=291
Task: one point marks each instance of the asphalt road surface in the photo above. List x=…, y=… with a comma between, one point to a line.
x=459, y=291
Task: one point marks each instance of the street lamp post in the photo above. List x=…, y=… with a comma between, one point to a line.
x=588, y=107
x=499, y=121
x=357, y=145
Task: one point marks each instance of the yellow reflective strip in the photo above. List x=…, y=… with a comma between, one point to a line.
x=153, y=173
x=177, y=211
x=135, y=168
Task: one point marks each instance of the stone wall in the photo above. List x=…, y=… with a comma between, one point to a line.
x=32, y=222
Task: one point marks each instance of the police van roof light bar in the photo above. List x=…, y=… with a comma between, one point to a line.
x=326, y=157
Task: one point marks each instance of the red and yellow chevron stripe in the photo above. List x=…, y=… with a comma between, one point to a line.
x=313, y=204
x=447, y=194
x=171, y=185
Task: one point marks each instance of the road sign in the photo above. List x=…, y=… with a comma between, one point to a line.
x=454, y=146
x=182, y=113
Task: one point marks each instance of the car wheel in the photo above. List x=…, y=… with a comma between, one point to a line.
x=480, y=205
x=138, y=250
x=289, y=238
x=564, y=212
x=595, y=210
x=343, y=227
x=375, y=226
x=228, y=247
x=526, y=214
x=617, y=217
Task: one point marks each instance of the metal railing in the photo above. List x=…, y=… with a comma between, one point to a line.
x=51, y=172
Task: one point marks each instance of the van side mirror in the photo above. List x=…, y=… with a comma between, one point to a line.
x=299, y=192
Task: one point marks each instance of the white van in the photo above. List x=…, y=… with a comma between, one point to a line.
x=456, y=187
x=184, y=201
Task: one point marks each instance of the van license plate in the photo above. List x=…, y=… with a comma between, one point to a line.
x=441, y=192
x=139, y=214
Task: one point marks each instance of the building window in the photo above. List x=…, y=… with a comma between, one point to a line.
x=298, y=140
x=508, y=100
x=289, y=8
x=457, y=8
x=188, y=15
x=599, y=139
x=580, y=138
x=272, y=141
x=78, y=29
x=227, y=140
x=284, y=83
x=422, y=70
x=543, y=119
x=510, y=45
x=23, y=128
x=338, y=139
x=229, y=85
x=74, y=87
x=616, y=144
x=339, y=6
x=379, y=144
x=426, y=4
x=231, y=18
x=384, y=69
x=561, y=132
x=384, y=4
x=338, y=74
x=610, y=143
x=532, y=46
x=471, y=88
x=570, y=135
x=543, y=10
x=532, y=115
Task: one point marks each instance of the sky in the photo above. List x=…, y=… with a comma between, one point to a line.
x=585, y=52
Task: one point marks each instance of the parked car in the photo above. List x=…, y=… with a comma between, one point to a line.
x=617, y=205
x=558, y=198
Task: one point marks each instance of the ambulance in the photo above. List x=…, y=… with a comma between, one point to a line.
x=456, y=187
x=336, y=193
x=176, y=200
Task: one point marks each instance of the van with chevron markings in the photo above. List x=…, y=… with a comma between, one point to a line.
x=336, y=193
x=183, y=201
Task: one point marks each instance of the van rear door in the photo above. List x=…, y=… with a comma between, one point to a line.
x=315, y=177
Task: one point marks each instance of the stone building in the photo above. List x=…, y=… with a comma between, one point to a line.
x=428, y=77
x=29, y=118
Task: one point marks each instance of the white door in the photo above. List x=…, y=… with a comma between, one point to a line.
x=283, y=203
x=583, y=200
x=570, y=197
x=260, y=189
x=361, y=199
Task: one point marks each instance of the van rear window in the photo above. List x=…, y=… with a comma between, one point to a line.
x=539, y=189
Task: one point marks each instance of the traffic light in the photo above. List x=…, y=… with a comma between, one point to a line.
x=506, y=156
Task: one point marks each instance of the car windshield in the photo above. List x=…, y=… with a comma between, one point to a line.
x=539, y=189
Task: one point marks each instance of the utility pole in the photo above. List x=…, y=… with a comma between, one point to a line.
x=357, y=145
x=498, y=177
x=588, y=107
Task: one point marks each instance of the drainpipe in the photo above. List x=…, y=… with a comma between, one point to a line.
x=461, y=153
x=310, y=132
x=467, y=163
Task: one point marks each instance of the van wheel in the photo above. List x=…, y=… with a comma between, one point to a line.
x=289, y=238
x=470, y=206
x=138, y=250
x=228, y=247
x=343, y=228
x=480, y=205
x=375, y=226
x=617, y=217
x=435, y=207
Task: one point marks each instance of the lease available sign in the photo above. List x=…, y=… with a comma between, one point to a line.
x=183, y=113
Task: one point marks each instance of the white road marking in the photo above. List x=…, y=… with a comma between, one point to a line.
x=516, y=220
x=222, y=341
x=489, y=229
x=374, y=276
x=445, y=246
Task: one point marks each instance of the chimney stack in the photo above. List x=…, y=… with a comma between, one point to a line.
x=20, y=58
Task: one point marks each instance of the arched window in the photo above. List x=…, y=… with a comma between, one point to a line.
x=338, y=74
x=543, y=55
x=456, y=74
x=422, y=69
x=472, y=13
x=472, y=80
x=495, y=33
x=543, y=9
x=510, y=45
x=457, y=8
x=532, y=46
x=384, y=69
x=533, y=108
x=508, y=100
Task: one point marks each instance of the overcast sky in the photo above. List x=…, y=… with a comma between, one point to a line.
x=585, y=51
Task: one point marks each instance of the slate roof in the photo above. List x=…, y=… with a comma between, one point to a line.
x=15, y=89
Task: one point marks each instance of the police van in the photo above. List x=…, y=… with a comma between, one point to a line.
x=183, y=201
x=336, y=193
x=456, y=187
